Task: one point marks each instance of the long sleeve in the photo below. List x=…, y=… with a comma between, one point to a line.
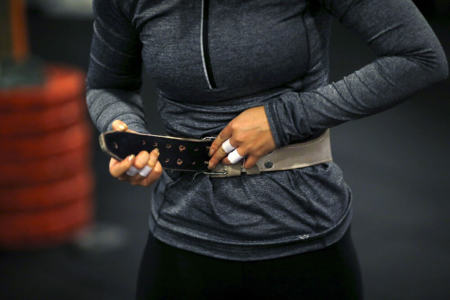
x=114, y=75
x=409, y=58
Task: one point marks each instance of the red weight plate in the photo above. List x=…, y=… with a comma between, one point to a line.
x=61, y=84
x=39, y=121
x=42, y=228
x=48, y=195
x=44, y=170
x=44, y=145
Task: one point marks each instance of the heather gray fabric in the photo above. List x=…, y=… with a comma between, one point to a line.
x=210, y=60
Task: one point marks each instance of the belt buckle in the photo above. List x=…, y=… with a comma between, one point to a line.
x=210, y=139
x=222, y=170
x=229, y=170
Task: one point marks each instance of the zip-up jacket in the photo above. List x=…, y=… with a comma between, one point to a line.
x=212, y=59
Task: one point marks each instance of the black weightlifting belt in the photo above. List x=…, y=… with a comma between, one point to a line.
x=188, y=154
x=179, y=154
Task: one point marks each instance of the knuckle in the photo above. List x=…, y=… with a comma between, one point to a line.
x=243, y=150
x=141, y=159
x=257, y=152
x=239, y=138
x=158, y=171
x=219, y=152
x=153, y=159
x=221, y=137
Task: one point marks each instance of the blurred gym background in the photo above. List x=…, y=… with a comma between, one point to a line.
x=70, y=231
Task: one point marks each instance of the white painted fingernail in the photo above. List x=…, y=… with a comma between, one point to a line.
x=132, y=171
x=145, y=171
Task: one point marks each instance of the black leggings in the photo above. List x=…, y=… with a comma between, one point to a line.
x=167, y=272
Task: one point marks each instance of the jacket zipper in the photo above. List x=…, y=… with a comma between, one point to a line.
x=204, y=46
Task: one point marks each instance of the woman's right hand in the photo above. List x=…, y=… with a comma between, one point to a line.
x=133, y=169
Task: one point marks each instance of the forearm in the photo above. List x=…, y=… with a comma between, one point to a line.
x=409, y=58
x=107, y=105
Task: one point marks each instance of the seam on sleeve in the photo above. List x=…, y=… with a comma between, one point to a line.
x=379, y=34
x=381, y=73
x=344, y=80
x=365, y=84
x=333, y=85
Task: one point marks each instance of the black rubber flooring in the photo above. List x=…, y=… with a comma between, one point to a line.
x=396, y=163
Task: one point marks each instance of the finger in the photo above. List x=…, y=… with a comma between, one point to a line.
x=224, y=135
x=148, y=168
x=241, y=151
x=218, y=156
x=235, y=156
x=141, y=159
x=119, y=125
x=113, y=162
x=250, y=161
x=132, y=171
x=153, y=158
x=154, y=175
x=120, y=168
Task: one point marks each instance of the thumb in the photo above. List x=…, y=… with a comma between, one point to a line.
x=118, y=125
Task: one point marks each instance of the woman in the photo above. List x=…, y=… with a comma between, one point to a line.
x=254, y=73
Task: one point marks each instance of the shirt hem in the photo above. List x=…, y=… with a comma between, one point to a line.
x=236, y=252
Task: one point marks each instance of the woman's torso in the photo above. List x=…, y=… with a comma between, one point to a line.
x=210, y=60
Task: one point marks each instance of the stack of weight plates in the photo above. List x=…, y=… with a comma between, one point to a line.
x=45, y=178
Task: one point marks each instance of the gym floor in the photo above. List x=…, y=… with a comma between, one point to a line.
x=396, y=163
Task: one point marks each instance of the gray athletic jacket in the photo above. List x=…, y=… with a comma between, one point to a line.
x=212, y=59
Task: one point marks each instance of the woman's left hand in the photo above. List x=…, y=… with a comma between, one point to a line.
x=249, y=133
